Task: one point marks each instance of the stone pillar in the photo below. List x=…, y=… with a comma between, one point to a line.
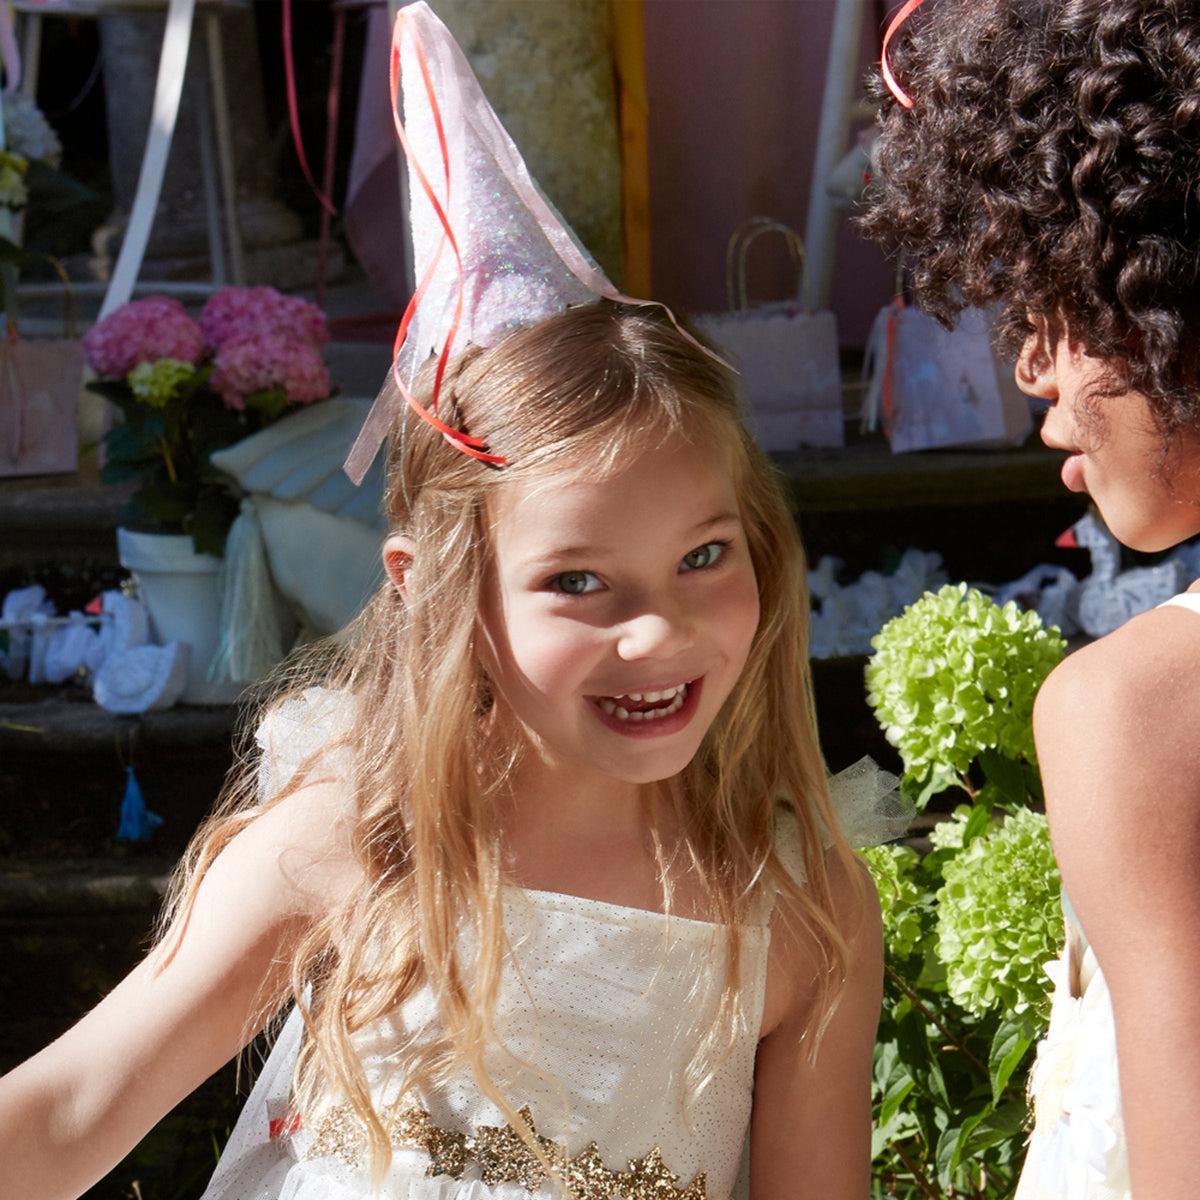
x=547, y=69
x=130, y=48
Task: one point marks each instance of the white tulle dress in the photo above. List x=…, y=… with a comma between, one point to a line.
x=623, y=997
x=1077, y=1149
x=600, y=1015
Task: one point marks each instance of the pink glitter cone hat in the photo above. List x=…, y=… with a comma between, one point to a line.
x=491, y=253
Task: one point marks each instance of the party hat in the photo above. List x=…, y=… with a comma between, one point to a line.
x=491, y=253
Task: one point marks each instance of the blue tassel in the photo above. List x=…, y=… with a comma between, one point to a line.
x=137, y=822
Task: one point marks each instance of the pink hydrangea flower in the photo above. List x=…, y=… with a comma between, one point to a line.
x=255, y=362
x=139, y=332
x=236, y=312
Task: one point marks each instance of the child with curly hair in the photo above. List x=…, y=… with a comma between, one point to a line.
x=544, y=858
x=1043, y=157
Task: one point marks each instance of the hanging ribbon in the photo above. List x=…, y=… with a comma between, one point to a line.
x=905, y=12
x=887, y=392
x=289, y=72
x=137, y=822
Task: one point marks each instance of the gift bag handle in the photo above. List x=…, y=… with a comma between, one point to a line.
x=739, y=244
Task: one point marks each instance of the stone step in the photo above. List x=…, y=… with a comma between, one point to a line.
x=63, y=777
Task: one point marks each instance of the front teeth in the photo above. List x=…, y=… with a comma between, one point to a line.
x=676, y=696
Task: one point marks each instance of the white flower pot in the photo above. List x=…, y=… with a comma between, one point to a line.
x=182, y=593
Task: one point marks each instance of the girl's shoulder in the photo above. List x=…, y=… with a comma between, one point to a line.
x=1146, y=671
x=1117, y=728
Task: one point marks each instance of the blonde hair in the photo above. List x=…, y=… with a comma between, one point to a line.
x=592, y=384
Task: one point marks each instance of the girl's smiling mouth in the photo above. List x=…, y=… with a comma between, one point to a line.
x=642, y=712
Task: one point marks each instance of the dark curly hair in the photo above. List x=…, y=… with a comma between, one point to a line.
x=1051, y=162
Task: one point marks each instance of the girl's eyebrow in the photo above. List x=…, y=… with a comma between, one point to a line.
x=558, y=553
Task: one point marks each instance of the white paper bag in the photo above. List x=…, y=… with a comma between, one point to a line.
x=787, y=356
x=940, y=387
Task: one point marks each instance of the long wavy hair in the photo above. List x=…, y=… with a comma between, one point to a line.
x=1049, y=164
x=419, y=731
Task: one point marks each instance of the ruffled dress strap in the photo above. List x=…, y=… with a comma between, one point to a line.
x=1183, y=600
x=1077, y=1149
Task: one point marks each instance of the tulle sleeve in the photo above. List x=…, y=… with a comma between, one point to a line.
x=307, y=731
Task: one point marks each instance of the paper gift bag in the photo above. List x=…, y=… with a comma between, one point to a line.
x=787, y=356
x=939, y=387
x=39, y=400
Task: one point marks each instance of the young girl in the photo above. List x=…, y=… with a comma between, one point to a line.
x=1041, y=155
x=547, y=865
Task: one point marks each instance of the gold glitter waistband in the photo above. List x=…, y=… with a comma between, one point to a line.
x=503, y=1156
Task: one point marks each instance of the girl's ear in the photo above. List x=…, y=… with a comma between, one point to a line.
x=1035, y=369
x=398, y=553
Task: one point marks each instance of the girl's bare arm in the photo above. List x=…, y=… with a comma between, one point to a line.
x=811, y=1126
x=71, y=1113
x=1118, y=738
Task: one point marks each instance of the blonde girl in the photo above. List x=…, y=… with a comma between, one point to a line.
x=561, y=844
x=541, y=854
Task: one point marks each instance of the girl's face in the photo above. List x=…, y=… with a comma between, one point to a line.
x=1115, y=447
x=620, y=610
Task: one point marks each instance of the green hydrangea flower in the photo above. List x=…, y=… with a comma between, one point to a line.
x=154, y=383
x=956, y=674
x=999, y=918
x=902, y=895
x=950, y=833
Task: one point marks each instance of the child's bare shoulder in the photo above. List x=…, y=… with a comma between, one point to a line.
x=300, y=847
x=1116, y=731
x=1144, y=676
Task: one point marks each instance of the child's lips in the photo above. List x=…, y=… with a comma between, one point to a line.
x=652, y=711
x=1072, y=467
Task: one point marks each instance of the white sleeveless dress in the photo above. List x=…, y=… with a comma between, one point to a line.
x=623, y=999
x=1077, y=1150
x=600, y=1014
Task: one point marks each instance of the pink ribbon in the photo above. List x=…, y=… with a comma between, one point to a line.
x=905, y=12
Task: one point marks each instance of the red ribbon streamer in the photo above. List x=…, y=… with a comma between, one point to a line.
x=289, y=71
x=456, y=437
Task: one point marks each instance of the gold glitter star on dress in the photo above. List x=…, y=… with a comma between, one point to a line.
x=503, y=1156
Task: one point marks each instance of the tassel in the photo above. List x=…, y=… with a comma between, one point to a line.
x=253, y=620
x=137, y=822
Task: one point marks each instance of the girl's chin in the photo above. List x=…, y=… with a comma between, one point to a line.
x=1072, y=474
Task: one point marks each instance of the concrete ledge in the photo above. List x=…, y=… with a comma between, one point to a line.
x=870, y=477
x=31, y=893
x=63, y=725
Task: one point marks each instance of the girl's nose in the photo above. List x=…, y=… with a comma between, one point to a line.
x=658, y=632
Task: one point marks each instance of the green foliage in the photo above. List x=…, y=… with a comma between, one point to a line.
x=952, y=681
x=968, y=927
x=173, y=422
x=966, y=931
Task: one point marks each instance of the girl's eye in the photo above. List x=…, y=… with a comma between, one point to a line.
x=575, y=583
x=704, y=556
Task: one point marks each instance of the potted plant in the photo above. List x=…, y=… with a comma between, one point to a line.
x=969, y=925
x=185, y=389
